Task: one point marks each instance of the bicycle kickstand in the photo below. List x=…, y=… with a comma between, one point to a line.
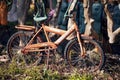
x=47, y=61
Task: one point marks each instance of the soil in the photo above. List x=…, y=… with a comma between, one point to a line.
x=112, y=65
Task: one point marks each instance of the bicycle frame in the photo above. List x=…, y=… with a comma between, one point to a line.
x=44, y=46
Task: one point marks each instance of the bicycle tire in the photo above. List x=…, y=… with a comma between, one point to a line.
x=91, y=61
x=16, y=42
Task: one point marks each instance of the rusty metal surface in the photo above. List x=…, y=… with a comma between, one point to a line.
x=25, y=27
x=39, y=45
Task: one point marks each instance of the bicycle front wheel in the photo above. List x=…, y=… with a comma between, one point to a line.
x=15, y=44
x=93, y=59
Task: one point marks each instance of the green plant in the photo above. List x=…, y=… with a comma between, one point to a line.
x=2, y=72
x=33, y=73
x=50, y=75
x=14, y=69
x=80, y=77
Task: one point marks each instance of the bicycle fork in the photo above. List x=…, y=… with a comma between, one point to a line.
x=80, y=42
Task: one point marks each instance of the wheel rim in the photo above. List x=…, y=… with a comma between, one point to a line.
x=16, y=44
x=91, y=61
x=14, y=50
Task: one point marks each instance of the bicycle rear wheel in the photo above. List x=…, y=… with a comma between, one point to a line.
x=16, y=42
x=93, y=59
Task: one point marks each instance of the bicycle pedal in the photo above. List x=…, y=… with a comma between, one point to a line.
x=4, y=58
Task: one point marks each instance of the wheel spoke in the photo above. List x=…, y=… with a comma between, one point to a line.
x=93, y=59
x=16, y=43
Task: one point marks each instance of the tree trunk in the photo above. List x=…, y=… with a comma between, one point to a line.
x=70, y=20
x=111, y=34
x=88, y=20
x=22, y=9
x=53, y=22
x=12, y=14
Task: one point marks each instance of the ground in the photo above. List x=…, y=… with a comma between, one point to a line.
x=111, y=66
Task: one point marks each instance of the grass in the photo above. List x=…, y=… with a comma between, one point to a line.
x=13, y=71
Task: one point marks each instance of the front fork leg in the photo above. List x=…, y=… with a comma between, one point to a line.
x=80, y=44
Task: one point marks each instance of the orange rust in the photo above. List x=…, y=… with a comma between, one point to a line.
x=40, y=45
x=54, y=30
x=25, y=27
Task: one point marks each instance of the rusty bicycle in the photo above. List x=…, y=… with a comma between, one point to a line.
x=81, y=52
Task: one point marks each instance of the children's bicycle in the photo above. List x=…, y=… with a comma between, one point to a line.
x=81, y=52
